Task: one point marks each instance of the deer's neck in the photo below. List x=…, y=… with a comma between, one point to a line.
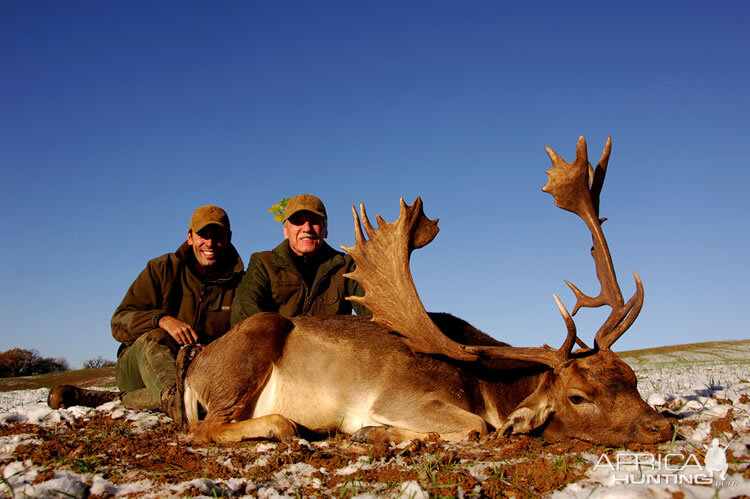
x=501, y=391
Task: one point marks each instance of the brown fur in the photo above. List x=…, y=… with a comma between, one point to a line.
x=346, y=373
x=232, y=369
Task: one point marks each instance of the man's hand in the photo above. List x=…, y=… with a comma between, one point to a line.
x=180, y=331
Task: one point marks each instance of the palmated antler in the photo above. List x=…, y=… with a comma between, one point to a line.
x=576, y=187
x=390, y=294
x=383, y=271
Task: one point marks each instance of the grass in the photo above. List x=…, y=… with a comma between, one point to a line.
x=100, y=376
x=7, y=485
x=720, y=350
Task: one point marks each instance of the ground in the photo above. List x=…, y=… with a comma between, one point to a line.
x=113, y=451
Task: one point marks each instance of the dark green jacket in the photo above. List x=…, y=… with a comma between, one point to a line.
x=169, y=286
x=273, y=283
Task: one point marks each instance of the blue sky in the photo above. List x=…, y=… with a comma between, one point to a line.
x=118, y=119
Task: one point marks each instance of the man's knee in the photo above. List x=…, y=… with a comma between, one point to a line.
x=159, y=337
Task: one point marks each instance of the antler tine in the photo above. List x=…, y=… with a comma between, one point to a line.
x=365, y=221
x=383, y=271
x=541, y=355
x=607, y=335
x=358, y=235
x=570, y=325
x=570, y=340
x=576, y=187
x=597, y=175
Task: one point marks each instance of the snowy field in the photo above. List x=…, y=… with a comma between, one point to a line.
x=702, y=387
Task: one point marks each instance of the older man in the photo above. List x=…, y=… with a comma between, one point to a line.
x=180, y=298
x=301, y=276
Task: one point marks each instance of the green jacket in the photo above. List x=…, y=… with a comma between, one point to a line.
x=169, y=286
x=274, y=283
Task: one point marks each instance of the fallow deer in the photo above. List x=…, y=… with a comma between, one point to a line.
x=406, y=374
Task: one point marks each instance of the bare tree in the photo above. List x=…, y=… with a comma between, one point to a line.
x=98, y=362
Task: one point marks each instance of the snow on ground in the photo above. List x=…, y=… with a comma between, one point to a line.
x=696, y=386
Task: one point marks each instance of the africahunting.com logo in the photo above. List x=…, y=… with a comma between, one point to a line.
x=641, y=468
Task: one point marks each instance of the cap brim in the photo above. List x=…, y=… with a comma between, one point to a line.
x=290, y=215
x=201, y=227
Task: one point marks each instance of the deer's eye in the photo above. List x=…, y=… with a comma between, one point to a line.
x=576, y=399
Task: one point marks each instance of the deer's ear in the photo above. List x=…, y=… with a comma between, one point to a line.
x=525, y=419
x=530, y=414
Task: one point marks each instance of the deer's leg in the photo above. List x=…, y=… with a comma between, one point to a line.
x=272, y=426
x=391, y=434
x=229, y=374
x=443, y=419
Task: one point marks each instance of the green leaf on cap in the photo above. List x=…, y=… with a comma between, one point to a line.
x=278, y=209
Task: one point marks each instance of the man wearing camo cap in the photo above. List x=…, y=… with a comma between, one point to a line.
x=301, y=276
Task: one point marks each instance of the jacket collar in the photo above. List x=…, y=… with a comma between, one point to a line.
x=328, y=257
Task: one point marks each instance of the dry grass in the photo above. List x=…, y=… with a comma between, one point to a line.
x=101, y=376
x=708, y=345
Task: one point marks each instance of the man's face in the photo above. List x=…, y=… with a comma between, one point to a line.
x=209, y=244
x=305, y=231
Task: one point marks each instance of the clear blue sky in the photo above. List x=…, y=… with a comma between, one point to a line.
x=117, y=119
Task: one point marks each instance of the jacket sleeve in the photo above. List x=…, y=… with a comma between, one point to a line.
x=141, y=307
x=353, y=288
x=253, y=294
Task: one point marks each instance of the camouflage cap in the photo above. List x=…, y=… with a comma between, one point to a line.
x=305, y=202
x=207, y=215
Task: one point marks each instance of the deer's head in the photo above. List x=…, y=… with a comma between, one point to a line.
x=592, y=397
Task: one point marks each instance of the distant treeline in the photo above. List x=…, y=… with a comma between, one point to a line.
x=21, y=362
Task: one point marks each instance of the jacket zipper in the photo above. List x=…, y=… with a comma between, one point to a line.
x=199, y=309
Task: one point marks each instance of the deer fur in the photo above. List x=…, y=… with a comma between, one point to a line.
x=269, y=375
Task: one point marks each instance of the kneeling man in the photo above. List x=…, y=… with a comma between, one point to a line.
x=180, y=298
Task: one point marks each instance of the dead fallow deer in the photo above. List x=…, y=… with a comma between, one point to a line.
x=407, y=374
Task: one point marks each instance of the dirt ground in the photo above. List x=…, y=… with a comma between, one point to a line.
x=113, y=448
x=493, y=466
